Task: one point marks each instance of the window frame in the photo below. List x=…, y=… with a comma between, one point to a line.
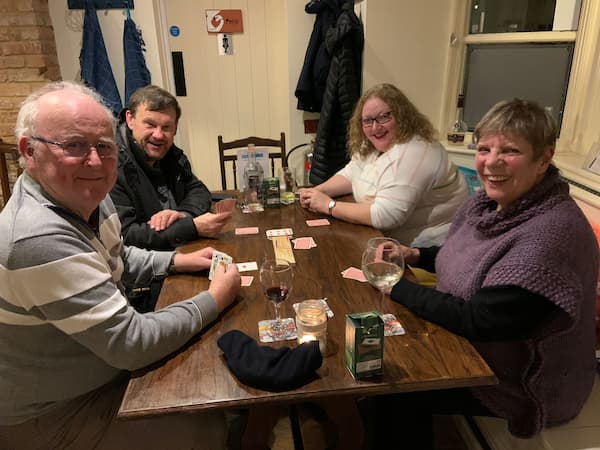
x=580, y=131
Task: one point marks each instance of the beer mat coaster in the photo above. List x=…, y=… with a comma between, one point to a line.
x=252, y=208
x=271, y=330
x=391, y=326
x=328, y=310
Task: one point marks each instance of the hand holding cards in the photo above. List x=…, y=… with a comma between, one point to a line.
x=219, y=259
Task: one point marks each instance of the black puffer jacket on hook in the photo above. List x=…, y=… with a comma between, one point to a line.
x=345, y=42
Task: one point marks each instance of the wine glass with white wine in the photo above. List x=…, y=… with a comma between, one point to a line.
x=383, y=264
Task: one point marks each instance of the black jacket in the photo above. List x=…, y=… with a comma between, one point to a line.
x=136, y=198
x=313, y=77
x=345, y=43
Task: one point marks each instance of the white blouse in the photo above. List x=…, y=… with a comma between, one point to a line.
x=414, y=190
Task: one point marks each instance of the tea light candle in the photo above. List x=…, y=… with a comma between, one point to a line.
x=311, y=323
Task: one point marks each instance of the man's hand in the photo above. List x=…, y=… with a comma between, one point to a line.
x=225, y=285
x=210, y=225
x=314, y=200
x=194, y=261
x=164, y=219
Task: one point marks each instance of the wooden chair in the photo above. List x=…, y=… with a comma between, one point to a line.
x=228, y=152
x=5, y=149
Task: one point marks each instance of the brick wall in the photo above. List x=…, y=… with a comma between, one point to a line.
x=28, y=59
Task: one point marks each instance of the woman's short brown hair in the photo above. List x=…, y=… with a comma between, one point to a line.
x=522, y=118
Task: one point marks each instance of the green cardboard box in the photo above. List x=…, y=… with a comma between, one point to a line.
x=364, y=344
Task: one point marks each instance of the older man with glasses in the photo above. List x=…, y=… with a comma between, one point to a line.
x=68, y=335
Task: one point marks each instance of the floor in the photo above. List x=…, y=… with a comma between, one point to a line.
x=447, y=436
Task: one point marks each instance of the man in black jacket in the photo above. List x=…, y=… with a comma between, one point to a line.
x=160, y=202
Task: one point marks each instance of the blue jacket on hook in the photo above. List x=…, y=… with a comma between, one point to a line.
x=137, y=74
x=96, y=71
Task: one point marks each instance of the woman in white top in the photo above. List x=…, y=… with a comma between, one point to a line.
x=401, y=177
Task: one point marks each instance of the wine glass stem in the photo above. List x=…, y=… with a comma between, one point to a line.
x=277, y=313
x=381, y=302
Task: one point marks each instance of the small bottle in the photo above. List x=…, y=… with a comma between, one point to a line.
x=253, y=178
x=456, y=134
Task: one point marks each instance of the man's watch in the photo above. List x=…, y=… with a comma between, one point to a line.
x=171, y=269
x=331, y=205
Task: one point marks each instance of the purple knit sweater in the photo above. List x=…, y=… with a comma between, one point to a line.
x=542, y=243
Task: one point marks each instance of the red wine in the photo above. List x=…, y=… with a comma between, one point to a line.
x=277, y=294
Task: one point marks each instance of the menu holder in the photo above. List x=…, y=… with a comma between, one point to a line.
x=283, y=249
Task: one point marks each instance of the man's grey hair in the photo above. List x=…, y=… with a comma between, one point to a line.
x=27, y=117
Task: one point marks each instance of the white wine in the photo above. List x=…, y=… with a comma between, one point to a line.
x=382, y=274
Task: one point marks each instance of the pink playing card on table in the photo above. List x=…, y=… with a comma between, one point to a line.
x=246, y=230
x=304, y=243
x=247, y=280
x=354, y=274
x=317, y=222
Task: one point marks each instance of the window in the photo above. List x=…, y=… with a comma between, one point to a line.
x=502, y=16
x=575, y=26
x=536, y=71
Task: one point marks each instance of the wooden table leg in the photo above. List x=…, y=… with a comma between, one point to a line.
x=261, y=421
x=343, y=412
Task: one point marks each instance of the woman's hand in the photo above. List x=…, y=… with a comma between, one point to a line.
x=314, y=200
x=411, y=255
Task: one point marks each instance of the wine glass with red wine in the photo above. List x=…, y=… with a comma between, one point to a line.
x=276, y=277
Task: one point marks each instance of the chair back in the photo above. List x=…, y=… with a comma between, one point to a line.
x=6, y=149
x=228, y=153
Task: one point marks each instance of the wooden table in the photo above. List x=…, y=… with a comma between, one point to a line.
x=197, y=378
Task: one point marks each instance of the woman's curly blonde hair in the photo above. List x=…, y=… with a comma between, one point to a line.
x=409, y=121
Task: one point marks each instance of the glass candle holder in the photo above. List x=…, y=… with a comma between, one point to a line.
x=311, y=323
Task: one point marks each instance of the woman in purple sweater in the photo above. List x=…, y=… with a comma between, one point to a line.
x=517, y=277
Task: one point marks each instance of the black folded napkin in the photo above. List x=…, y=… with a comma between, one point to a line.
x=271, y=369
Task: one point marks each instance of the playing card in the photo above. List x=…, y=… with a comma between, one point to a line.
x=219, y=258
x=246, y=230
x=391, y=325
x=354, y=274
x=280, y=232
x=247, y=266
x=247, y=280
x=317, y=222
x=304, y=243
x=225, y=205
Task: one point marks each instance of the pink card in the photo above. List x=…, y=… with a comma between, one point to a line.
x=247, y=280
x=246, y=230
x=317, y=222
x=225, y=205
x=304, y=243
x=354, y=274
